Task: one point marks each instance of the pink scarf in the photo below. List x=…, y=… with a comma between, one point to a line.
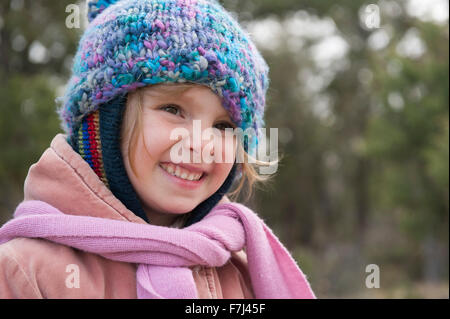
x=164, y=253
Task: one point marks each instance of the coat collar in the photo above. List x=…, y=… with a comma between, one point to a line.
x=64, y=180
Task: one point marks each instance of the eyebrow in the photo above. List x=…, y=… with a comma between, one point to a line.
x=160, y=95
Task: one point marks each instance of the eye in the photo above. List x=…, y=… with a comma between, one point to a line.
x=224, y=125
x=171, y=108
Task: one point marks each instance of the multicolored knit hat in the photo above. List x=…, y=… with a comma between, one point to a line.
x=134, y=43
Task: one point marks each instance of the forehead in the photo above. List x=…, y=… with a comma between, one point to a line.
x=174, y=90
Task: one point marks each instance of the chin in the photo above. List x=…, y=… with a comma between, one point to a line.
x=181, y=207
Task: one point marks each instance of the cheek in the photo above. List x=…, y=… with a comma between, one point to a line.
x=156, y=138
x=220, y=173
x=225, y=161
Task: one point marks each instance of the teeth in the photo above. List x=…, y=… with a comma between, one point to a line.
x=181, y=172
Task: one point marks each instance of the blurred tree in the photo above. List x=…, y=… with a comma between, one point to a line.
x=409, y=139
x=35, y=56
x=383, y=150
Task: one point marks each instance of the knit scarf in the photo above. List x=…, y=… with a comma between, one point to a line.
x=164, y=254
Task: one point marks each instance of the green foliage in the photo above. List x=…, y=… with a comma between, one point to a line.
x=410, y=142
x=28, y=121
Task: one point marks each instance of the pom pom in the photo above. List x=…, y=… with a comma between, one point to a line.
x=95, y=7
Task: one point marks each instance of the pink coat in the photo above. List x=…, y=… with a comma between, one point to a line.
x=38, y=268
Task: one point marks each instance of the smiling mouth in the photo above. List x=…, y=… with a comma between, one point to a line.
x=180, y=172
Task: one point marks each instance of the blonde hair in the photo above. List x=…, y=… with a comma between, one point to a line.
x=132, y=127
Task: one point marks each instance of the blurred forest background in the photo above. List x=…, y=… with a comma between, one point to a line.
x=359, y=92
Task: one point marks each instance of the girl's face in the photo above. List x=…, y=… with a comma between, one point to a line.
x=165, y=196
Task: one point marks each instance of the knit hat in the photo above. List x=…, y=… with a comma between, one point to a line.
x=134, y=43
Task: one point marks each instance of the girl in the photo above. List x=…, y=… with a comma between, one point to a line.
x=107, y=211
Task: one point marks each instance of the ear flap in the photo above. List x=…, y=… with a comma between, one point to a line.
x=95, y=7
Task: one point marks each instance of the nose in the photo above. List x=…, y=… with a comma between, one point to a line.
x=195, y=141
